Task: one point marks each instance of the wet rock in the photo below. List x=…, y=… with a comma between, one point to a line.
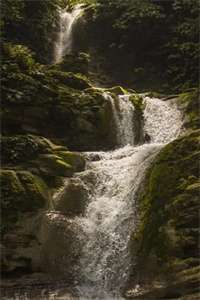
x=72, y=198
x=61, y=246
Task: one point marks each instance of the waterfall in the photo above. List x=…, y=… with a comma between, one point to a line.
x=113, y=179
x=123, y=116
x=65, y=39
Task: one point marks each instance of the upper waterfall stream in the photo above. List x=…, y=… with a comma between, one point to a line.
x=65, y=37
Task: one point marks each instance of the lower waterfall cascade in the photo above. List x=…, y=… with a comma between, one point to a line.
x=112, y=180
x=87, y=230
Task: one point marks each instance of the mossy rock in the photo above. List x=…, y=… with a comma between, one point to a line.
x=117, y=90
x=137, y=101
x=166, y=243
x=93, y=90
x=168, y=185
x=75, y=160
x=22, y=148
x=21, y=192
x=76, y=62
x=53, y=165
x=34, y=185
x=190, y=102
x=45, y=145
x=75, y=81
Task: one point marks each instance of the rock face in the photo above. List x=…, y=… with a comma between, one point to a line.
x=81, y=121
x=72, y=198
x=34, y=241
x=168, y=236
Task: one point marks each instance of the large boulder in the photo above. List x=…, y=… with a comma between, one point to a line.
x=167, y=239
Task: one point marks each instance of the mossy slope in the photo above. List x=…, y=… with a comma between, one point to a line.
x=168, y=234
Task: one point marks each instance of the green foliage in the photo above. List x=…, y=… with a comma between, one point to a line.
x=18, y=149
x=158, y=41
x=183, y=45
x=26, y=82
x=75, y=62
x=11, y=11
x=136, y=12
x=18, y=66
x=17, y=58
x=191, y=103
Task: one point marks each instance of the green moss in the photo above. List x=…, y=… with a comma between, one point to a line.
x=191, y=104
x=76, y=62
x=75, y=160
x=11, y=188
x=137, y=101
x=93, y=90
x=117, y=90
x=21, y=192
x=167, y=195
x=51, y=164
x=153, y=95
x=35, y=186
x=45, y=145
x=75, y=81
x=131, y=91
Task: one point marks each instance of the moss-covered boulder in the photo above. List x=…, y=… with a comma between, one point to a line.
x=21, y=192
x=189, y=102
x=30, y=150
x=167, y=239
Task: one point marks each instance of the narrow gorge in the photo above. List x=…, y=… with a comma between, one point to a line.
x=99, y=184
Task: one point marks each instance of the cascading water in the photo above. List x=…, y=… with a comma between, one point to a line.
x=110, y=186
x=113, y=180
x=65, y=37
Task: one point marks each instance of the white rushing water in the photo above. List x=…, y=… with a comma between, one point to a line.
x=114, y=179
x=65, y=37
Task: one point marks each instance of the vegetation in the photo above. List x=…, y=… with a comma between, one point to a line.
x=153, y=42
